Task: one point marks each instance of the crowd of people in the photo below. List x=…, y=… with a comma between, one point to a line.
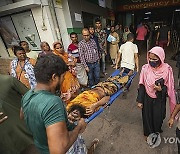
x=51, y=87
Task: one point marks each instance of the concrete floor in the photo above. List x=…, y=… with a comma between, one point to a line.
x=119, y=127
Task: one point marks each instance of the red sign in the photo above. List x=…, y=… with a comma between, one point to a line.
x=154, y=4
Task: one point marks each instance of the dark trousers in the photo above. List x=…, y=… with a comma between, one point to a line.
x=141, y=46
x=93, y=74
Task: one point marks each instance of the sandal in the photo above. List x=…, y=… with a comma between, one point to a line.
x=93, y=146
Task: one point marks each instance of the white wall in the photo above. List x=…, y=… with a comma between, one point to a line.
x=64, y=21
x=48, y=35
x=3, y=50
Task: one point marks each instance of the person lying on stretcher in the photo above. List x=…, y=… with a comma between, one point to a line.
x=90, y=101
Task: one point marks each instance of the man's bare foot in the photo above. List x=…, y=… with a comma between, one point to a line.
x=145, y=137
x=93, y=146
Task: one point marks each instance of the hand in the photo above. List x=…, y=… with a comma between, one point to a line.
x=90, y=110
x=168, y=44
x=158, y=88
x=74, y=116
x=82, y=124
x=140, y=105
x=87, y=69
x=66, y=96
x=170, y=122
x=3, y=119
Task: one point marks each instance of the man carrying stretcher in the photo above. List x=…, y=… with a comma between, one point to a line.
x=89, y=101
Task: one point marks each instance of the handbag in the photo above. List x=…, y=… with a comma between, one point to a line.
x=161, y=81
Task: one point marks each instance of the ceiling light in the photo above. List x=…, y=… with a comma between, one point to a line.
x=148, y=13
x=146, y=18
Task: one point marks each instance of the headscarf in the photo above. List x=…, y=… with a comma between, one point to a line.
x=149, y=75
x=63, y=55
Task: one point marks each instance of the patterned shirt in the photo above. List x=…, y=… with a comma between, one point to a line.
x=88, y=52
x=101, y=38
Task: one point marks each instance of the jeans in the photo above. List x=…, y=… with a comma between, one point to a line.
x=103, y=62
x=94, y=73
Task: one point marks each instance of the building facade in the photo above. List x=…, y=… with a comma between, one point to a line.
x=45, y=20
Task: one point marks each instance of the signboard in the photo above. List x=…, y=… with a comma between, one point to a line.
x=143, y=4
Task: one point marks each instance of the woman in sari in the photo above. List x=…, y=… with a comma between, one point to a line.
x=155, y=84
x=70, y=83
x=22, y=67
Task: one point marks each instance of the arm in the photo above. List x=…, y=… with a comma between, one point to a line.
x=140, y=97
x=158, y=34
x=90, y=110
x=118, y=59
x=169, y=38
x=136, y=61
x=18, y=86
x=173, y=115
x=59, y=139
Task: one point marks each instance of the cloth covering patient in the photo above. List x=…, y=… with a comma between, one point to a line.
x=89, y=101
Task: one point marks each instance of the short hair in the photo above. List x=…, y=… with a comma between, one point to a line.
x=130, y=36
x=16, y=48
x=97, y=20
x=73, y=33
x=90, y=26
x=85, y=29
x=47, y=65
x=22, y=42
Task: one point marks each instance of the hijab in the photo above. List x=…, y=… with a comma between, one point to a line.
x=149, y=75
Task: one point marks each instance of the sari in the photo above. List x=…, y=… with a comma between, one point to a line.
x=70, y=82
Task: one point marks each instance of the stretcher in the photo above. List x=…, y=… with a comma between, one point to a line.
x=113, y=97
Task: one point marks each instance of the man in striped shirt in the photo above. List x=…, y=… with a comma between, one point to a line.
x=89, y=56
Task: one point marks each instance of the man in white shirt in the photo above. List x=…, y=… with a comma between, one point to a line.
x=128, y=53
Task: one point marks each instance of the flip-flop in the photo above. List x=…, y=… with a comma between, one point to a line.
x=94, y=144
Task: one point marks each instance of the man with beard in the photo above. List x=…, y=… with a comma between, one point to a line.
x=44, y=112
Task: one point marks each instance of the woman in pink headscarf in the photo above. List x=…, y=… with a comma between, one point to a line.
x=155, y=84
